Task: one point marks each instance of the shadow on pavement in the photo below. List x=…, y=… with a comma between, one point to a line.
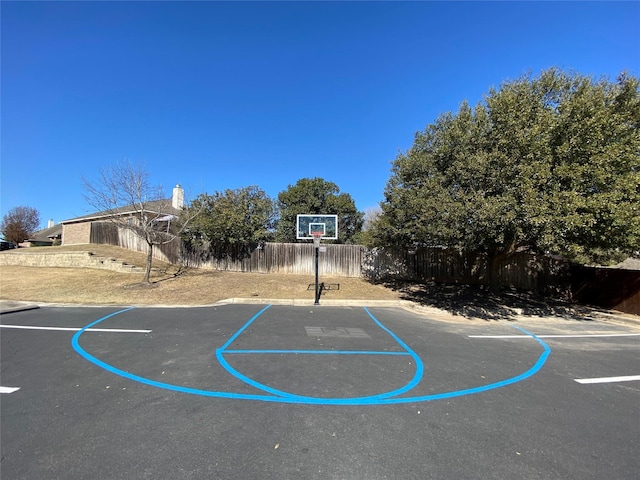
x=473, y=301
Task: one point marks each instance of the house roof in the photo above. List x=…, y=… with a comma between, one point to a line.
x=159, y=207
x=47, y=234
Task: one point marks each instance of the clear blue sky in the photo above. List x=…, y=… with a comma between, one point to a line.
x=216, y=95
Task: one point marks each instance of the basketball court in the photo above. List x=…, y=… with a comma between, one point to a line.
x=271, y=391
x=331, y=356
x=315, y=392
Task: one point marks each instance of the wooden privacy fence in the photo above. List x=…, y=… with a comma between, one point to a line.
x=524, y=271
x=295, y=258
x=610, y=288
x=544, y=274
x=111, y=234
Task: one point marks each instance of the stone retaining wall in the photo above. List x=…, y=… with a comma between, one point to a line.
x=68, y=259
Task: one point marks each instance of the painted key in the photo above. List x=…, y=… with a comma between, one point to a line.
x=397, y=359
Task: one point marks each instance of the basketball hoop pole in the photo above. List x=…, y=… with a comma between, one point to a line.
x=316, y=244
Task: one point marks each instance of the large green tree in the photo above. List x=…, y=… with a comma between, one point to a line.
x=317, y=196
x=232, y=222
x=19, y=224
x=549, y=163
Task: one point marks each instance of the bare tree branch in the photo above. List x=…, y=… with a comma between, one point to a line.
x=125, y=196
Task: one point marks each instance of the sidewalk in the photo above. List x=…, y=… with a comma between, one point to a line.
x=9, y=306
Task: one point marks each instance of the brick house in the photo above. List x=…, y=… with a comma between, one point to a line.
x=47, y=237
x=84, y=229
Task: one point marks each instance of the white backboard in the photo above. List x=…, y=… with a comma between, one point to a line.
x=308, y=223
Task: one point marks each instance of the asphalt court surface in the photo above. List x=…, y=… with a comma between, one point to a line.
x=256, y=391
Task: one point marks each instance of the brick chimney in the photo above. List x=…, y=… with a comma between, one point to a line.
x=177, y=200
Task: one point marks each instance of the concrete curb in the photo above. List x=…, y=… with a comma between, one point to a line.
x=10, y=306
x=623, y=319
x=309, y=302
x=432, y=312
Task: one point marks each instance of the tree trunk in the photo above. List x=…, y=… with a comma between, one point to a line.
x=494, y=260
x=493, y=270
x=147, y=273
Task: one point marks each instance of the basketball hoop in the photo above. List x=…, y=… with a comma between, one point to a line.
x=316, y=238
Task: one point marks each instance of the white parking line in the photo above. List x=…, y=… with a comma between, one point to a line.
x=594, y=335
x=608, y=379
x=9, y=389
x=69, y=329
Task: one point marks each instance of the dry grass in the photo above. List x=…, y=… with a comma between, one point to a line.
x=172, y=286
x=169, y=286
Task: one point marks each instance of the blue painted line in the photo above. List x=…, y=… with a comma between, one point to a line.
x=303, y=398
x=288, y=397
x=243, y=328
x=383, y=399
x=318, y=352
x=177, y=388
x=492, y=386
x=77, y=335
x=249, y=381
x=260, y=386
x=417, y=377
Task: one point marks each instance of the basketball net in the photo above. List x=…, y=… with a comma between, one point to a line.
x=316, y=238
